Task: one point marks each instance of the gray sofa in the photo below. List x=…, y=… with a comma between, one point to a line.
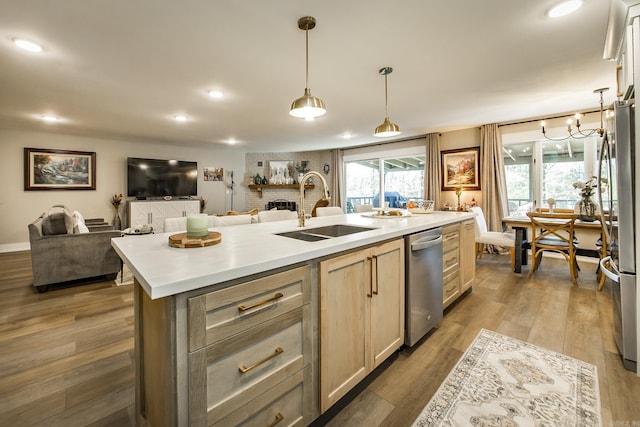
x=60, y=255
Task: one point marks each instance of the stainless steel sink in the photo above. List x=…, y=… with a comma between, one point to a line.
x=326, y=232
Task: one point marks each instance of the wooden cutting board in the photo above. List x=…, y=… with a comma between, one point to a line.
x=181, y=240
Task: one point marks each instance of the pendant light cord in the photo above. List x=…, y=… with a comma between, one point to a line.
x=306, y=33
x=386, y=99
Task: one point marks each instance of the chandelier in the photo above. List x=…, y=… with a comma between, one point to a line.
x=579, y=133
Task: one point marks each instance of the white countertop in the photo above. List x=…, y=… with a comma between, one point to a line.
x=253, y=248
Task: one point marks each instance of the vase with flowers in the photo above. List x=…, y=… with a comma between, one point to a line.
x=586, y=207
x=116, y=200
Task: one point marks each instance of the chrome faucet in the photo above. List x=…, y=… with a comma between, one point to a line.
x=301, y=213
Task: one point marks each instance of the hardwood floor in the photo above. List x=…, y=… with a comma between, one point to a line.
x=66, y=357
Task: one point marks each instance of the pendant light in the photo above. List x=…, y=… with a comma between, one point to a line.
x=387, y=128
x=307, y=107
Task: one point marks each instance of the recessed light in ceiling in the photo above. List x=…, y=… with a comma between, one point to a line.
x=347, y=135
x=49, y=118
x=27, y=45
x=180, y=118
x=216, y=94
x=231, y=141
x=564, y=8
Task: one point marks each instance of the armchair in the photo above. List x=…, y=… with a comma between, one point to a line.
x=60, y=255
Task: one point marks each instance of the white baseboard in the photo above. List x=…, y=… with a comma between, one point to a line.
x=15, y=247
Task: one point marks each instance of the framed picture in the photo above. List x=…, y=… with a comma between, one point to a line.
x=461, y=168
x=46, y=169
x=213, y=174
x=281, y=172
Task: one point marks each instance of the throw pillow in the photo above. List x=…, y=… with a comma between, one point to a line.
x=57, y=220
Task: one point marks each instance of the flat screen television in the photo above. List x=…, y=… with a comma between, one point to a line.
x=154, y=178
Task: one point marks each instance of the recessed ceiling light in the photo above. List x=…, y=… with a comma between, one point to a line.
x=27, y=45
x=231, y=141
x=216, y=94
x=347, y=135
x=49, y=118
x=564, y=8
x=181, y=118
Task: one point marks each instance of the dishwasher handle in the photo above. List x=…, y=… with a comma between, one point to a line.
x=426, y=242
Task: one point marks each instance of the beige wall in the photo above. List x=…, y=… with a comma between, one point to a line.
x=19, y=207
x=465, y=138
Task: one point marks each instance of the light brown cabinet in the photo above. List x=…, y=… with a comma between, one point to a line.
x=450, y=263
x=458, y=260
x=361, y=316
x=241, y=354
x=467, y=254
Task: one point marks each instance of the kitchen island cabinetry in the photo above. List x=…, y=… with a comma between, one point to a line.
x=467, y=254
x=247, y=354
x=361, y=316
x=450, y=264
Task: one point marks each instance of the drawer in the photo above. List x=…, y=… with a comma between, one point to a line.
x=450, y=288
x=450, y=236
x=282, y=405
x=450, y=261
x=220, y=314
x=225, y=376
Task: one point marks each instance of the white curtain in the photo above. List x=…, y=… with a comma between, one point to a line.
x=432, y=174
x=337, y=191
x=492, y=177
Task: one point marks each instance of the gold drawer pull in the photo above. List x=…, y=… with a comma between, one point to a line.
x=258, y=304
x=279, y=417
x=244, y=369
x=450, y=260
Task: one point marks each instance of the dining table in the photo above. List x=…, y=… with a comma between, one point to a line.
x=521, y=226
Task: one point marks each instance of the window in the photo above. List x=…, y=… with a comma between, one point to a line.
x=539, y=170
x=402, y=179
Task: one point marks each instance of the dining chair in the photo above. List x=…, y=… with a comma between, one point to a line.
x=329, y=210
x=276, y=215
x=602, y=248
x=486, y=237
x=363, y=208
x=554, y=232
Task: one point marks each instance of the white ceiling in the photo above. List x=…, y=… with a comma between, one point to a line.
x=123, y=69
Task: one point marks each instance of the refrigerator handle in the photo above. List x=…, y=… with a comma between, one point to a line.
x=605, y=263
x=607, y=225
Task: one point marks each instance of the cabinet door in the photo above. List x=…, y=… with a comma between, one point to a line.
x=467, y=255
x=387, y=302
x=344, y=324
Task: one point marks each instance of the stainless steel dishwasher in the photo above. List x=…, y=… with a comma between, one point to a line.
x=423, y=282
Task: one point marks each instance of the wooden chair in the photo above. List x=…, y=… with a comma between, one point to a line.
x=603, y=248
x=554, y=232
x=555, y=210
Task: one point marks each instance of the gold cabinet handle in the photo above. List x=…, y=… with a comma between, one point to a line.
x=243, y=308
x=370, y=261
x=245, y=369
x=279, y=417
x=375, y=276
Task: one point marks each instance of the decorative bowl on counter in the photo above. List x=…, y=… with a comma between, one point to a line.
x=420, y=206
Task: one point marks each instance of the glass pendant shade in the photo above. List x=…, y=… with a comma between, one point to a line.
x=387, y=129
x=307, y=106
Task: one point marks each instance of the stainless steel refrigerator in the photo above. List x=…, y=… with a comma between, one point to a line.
x=617, y=189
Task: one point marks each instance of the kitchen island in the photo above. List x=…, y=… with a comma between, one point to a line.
x=254, y=297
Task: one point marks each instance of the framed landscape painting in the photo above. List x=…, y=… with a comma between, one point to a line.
x=461, y=168
x=46, y=169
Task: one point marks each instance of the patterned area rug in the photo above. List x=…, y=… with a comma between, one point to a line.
x=501, y=381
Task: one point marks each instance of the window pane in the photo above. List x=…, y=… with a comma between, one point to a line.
x=362, y=182
x=518, y=170
x=562, y=165
x=403, y=180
